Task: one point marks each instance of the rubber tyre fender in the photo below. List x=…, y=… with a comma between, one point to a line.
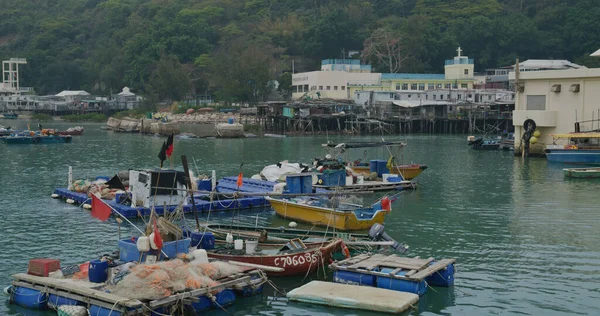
x=529, y=125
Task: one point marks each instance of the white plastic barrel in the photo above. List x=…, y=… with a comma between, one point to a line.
x=143, y=244
x=239, y=244
x=251, y=246
x=200, y=256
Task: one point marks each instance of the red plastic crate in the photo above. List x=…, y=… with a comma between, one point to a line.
x=43, y=267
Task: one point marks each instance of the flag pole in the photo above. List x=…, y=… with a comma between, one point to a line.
x=128, y=221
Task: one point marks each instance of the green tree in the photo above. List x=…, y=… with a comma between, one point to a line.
x=170, y=79
x=285, y=84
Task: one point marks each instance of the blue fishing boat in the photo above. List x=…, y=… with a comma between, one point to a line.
x=582, y=148
x=481, y=143
x=11, y=116
x=37, y=139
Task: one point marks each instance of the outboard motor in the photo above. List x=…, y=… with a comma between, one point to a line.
x=377, y=232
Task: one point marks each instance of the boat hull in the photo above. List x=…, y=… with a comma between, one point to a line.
x=10, y=116
x=574, y=156
x=341, y=220
x=583, y=173
x=37, y=140
x=409, y=172
x=72, y=133
x=299, y=263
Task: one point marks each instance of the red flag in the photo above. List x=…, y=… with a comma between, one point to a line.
x=157, y=238
x=386, y=205
x=240, y=180
x=100, y=210
x=169, y=150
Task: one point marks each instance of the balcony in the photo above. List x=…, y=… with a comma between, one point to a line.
x=541, y=118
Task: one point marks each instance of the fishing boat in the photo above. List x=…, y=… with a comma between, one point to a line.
x=585, y=173
x=326, y=212
x=582, y=148
x=296, y=258
x=480, y=143
x=364, y=168
x=10, y=116
x=508, y=142
x=37, y=139
x=73, y=131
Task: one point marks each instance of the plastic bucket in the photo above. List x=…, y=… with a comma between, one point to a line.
x=251, y=246
x=98, y=271
x=230, y=120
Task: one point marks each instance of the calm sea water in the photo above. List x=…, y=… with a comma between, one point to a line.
x=525, y=239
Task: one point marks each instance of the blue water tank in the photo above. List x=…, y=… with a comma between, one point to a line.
x=230, y=120
x=373, y=165
x=205, y=185
x=293, y=183
x=203, y=240
x=29, y=298
x=355, y=278
x=98, y=271
x=57, y=300
x=225, y=297
x=401, y=285
x=444, y=278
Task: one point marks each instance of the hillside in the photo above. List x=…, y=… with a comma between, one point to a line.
x=232, y=48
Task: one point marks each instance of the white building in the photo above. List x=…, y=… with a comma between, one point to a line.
x=555, y=100
x=499, y=77
x=73, y=95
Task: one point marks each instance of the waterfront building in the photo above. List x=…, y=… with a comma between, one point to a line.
x=341, y=78
x=498, y=78
x=556, y=100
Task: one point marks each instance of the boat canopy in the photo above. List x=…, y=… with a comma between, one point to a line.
x=363, y=144
x=577, y=135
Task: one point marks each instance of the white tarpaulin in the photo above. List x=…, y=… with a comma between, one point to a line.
x=276, y=172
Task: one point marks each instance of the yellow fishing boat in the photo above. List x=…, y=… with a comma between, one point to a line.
x=342, y=217
x=408, y=172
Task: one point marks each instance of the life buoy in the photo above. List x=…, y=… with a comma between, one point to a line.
x=345, y=250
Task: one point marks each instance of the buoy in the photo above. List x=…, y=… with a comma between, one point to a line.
x=143, y=244
x=293, y=224
x=54, y=196
x=87, y=206
x=537, y=133
x=533, y=140
x=70, y=201
x=229, y=238
x=345, y=250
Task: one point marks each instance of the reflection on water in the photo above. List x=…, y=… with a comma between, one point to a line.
x=525, y=238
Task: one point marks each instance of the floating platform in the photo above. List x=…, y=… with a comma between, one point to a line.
x=353, y=297
x=371, y=186
x=225, y=186
x=35, y=292
x=393, y=272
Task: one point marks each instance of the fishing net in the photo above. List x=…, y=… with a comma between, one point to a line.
x=98, y=186
x=155, y=281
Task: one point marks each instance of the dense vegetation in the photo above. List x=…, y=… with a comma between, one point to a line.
x=166, y=49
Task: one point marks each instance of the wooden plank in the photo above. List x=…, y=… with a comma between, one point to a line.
x=73, y=287
x=395, y=271
x=432, y=269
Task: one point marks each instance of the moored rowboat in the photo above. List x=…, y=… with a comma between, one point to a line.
x=582, y=172
x=408, y=172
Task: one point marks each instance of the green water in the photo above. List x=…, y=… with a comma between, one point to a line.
x=525, y=239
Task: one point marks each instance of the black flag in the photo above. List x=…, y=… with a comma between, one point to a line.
x=162, y=155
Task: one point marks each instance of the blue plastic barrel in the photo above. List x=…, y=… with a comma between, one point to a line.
x=29, y=298
x=230, y=120
x=293, y=183
x=102, y=311
x=98, y=271
x=57, y=300
x=203, y=240
x=382, y=167
x=348, y=277
x=373, y=166
x=225, y=297
x=401, y=285
x=444, y=277
x=203, y=303
x=205, y=185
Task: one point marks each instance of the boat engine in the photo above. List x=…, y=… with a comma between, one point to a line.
x=377, y=232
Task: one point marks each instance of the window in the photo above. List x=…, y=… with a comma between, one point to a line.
x=391, y=95
x=470, y=96
x=335, y=88
x=455, y=86
x=439, y=85
x=426, y=97
x=464, y=85
x=459, y=96
x=490, y=97
x=446, y=86
x=450, y=108
x=397, y=86
x=343, y=88
x=320, y=87
x=413, y=86
x=441, y=97
x=434, y=96
x=313, y=88
x=448, y=97
x=536, y=102
x=305, y=88
x=421, y=87
x=405, y=86
x=328, y=87
x=409, y=96
x=466, y=71
x=430, y=86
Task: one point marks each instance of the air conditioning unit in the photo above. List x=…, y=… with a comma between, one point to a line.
x=574, y=88
x=555, y=88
